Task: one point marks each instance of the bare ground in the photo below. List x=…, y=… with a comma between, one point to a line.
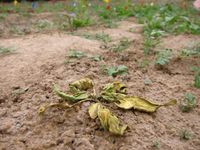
x=39, y=61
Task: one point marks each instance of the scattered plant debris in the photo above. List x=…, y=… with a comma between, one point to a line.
x=83, y=90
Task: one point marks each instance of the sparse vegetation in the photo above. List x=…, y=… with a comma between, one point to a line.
x=117, y=70
x=123, y=44
x=6, y=50
x=76, y=54
x=185, y=135
x=156, y=144
x=163, y=57
x=196, y=76
x=188, y=103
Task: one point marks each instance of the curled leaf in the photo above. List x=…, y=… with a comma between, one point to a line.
x=93, y=110
x=43, y=108
x=81, y=85
x=113, y=91
x=108, y=121
x=70, y=98
x=141, y=104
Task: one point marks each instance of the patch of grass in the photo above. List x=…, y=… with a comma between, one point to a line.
x=16, y=30
x=123, y=44
x=185, y=135
x=163, y=57
x=44, y=24
x=103, y=37
x=110, y=24
x=188, y=103
x=76, y=54
x=143, y=63
x=81, y=21
x=6, y=50
x=191, y=50
x=98, y=36
x=117, y=70
x=3, y=16
x=96, y=58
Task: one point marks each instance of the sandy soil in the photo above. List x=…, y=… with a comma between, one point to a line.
x=27, y=76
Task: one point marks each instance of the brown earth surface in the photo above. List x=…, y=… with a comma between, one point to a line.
x=40, y=60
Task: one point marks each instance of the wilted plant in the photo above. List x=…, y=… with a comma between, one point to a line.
x=116, y=92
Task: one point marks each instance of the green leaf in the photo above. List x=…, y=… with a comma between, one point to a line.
x=70, y=98
x=111, y=92
x=117, y=70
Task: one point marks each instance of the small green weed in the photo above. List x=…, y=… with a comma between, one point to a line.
x=192, y=50
x=156, y=144
x=196, y=76
x=96, y=58
x=117, y=70
x=163, y=57
x=123, y=44
x=188, y=103
x=76, y=54
x=103, y=37
x=148, y=44
x=44, y=24
x=185, y=135
x=5, y=50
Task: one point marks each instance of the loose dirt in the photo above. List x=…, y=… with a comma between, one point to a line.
x=27, y=76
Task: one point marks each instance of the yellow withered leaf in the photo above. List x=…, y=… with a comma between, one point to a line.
x=141, y=104
x=93, y=110
x=108, y=121
x=81, y=85
x=43, y=108
x=114, y=125
x=103, y=115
